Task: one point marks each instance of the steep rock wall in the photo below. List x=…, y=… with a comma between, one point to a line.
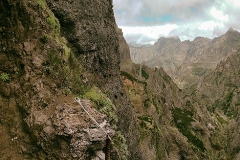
x=125, y=59
x=90, y=28
x=36, y=100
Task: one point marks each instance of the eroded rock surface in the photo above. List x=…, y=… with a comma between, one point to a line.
x=72, y=129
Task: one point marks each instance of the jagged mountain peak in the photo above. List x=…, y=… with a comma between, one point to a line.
x=200, y=41
x=201, y=38
x=172, y=39
x=175, y=37
x=163, y=41
x=232, y=32
x=231, y=36
x=230, y=29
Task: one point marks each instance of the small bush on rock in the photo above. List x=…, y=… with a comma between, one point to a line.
x=5, y=77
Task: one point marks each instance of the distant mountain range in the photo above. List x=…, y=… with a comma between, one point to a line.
x=200, y=121
x=186, y=62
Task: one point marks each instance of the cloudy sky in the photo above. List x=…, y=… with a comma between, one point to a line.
x=144, y=21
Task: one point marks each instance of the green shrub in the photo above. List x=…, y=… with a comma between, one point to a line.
x=221, y=120
x=130, y=77
x=213, y=107
x=5, y=77
x=227, y=101
x=167, y=78
x=146, y=126
x=44, y=39
x=120, y=143
x=182, y=119
x=227, y=107
x=54, y=60
x=41, y=3
x=67, y=72
x=54, y=24
x=103, y=104
x=143, y=71
x=144, y=74
x=147, y=103
x=47, y=69
x=199, y=71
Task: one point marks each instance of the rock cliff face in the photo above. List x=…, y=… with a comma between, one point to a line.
x=90, y=29
x=50, y=52
x=125, y=60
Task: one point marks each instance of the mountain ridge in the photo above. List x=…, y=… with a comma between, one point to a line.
x=192, y=58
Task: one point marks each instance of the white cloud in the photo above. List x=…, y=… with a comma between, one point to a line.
x=236, y=3
x=218, y=14
x=209, y=25
x=151, y=34
x=144, y=21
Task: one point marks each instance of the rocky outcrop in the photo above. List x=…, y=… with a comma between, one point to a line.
x=72, y=129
